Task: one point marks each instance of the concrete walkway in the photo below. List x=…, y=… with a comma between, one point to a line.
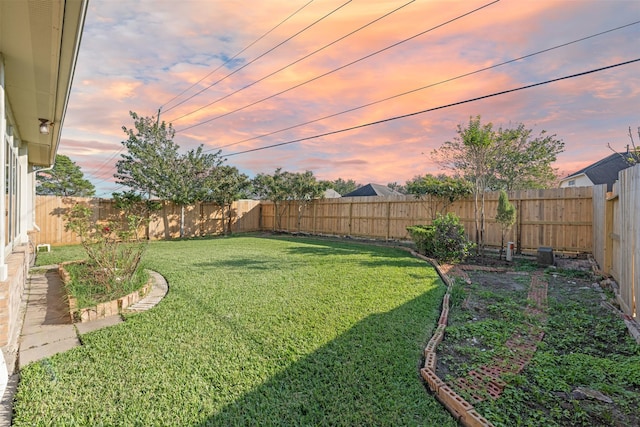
x=47, y=328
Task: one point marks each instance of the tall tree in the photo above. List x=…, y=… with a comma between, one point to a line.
x=343, y=187
x=303, y=188
x=438, y=192
x=523, y=161
x=228, y=186
x=187, y=179
x=65, y=179
x=151, y=156
x=397, y=187
x=272, y=187
x=472, y=156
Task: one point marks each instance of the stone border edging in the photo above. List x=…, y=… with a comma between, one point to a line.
x=109, y=308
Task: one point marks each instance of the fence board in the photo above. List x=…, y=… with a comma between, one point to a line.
x=200, y=220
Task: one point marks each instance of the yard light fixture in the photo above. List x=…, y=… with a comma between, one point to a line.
x=44, y=126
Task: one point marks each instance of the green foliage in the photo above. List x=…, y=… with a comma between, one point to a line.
x=282, y=186
x=65, y=179
x=444, y=240
x=439, y=192
x=397, y=187
x=229, y=185
x=343, y=186
x=114, y=248
x=255, y=331
x=471, y=155
x=150, y=158
x=505, y=217
x=523, y=161
x=89, y=291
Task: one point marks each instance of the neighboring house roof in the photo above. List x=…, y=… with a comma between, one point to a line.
x=331, y=194
x=39, y=43
x=373, y=190
x=604, y=171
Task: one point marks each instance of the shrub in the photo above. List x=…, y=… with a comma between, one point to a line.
x=114, y=247
x=444, y=240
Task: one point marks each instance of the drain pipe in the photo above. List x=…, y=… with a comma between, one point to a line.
x=35, y=174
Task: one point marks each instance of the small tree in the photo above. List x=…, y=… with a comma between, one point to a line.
x=272, y=187
x=303, y=188
x=228, y=186
x=114, y=247
x=438, y=193
x=472, y=155
x=65, y=179
x=505, y=217
x=188, y=179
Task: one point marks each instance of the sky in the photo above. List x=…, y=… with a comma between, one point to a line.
x=241, y=76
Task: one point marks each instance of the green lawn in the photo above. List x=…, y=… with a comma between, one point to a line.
x=254, y=331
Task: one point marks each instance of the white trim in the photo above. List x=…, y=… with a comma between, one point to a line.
x=4, y=271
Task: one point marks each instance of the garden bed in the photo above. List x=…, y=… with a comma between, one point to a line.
x=103, y=309
x=519, y=359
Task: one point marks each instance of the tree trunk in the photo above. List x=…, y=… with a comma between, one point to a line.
x=181, y=221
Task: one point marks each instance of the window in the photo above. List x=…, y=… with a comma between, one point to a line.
x=572, y=183
x=11, y=192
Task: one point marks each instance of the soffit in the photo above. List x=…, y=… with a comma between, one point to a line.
x=39, y=41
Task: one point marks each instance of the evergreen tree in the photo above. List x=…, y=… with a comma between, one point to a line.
x=65, y=179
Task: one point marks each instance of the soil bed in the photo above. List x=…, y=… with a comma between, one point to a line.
x=567, y=359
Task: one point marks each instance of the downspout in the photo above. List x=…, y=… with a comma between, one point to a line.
x=35, y=174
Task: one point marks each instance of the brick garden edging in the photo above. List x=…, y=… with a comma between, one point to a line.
x=488, y=379
x=102, y=310
x=461, y=410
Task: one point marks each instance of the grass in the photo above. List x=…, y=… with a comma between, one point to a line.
x=254, y=331
x=90, y=292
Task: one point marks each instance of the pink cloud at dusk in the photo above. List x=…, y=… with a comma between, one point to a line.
x=144, y=55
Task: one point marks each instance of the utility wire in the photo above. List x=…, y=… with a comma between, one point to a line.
x=339, y=68
x=425, y=87
x=229, y=60
x=260, y=56
x=436, y=108
x=297, y=61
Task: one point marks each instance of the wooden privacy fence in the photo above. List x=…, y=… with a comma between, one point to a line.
x=617, y=236
x=202, y=219
x=559, y=218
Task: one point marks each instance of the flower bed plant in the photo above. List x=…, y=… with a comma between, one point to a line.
x=89, y=300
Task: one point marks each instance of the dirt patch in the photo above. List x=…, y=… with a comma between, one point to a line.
x=554, y=355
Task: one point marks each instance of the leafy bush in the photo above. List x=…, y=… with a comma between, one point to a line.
x=114, y=247
x=444, y=240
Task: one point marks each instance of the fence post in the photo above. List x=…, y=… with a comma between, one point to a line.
x=608, y=235
x=388, y=220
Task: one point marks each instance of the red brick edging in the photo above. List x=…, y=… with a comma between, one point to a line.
x=485, y=381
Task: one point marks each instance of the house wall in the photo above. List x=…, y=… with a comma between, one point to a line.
x=578, y=181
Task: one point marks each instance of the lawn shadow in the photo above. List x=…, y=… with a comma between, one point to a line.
x=368, y=375
x=249, y=263
x=381, y=255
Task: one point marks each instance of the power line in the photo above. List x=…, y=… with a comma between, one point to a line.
x=260, y=56
x=426, y=87
x=339, y=68
x=436, y=108
x=298, y=60
x=230, y=59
